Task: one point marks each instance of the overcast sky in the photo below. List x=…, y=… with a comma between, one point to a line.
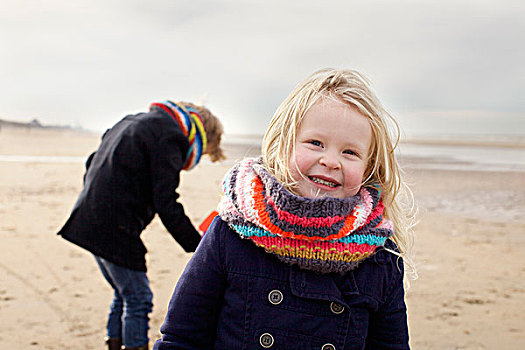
x=444, y=66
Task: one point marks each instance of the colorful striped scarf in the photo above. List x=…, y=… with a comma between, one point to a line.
x=320, y=234
x=190, y=123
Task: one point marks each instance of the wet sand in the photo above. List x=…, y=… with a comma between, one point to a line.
x=469, y=245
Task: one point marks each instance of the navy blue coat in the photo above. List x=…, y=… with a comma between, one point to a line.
x=234, y=295
x=133, y=175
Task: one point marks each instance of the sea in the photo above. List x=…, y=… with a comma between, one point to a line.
x=462, y=157
x=442, y=154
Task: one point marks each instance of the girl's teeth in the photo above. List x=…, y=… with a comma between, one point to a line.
x=323, y=182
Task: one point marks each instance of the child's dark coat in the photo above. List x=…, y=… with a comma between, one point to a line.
x=233, y=295
x=132, y=176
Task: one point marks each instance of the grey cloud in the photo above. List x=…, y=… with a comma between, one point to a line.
x=105, y=58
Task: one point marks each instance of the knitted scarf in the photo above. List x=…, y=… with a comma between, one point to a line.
x=320, y=234
x=190, y=123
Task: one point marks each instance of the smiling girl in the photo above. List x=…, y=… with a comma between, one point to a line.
x=308, y=250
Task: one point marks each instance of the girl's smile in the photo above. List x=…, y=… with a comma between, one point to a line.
x=324, y=181
x=331, y=150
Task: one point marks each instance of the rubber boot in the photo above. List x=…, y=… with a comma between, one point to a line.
x=114, y=343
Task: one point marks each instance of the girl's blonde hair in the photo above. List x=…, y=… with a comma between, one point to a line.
x=348, y=86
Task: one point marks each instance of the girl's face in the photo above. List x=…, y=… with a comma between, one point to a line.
x=331, y=150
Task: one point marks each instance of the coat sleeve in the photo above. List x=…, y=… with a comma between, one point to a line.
x=166, y=160
x=388, y=327
x=88, y=165
x=193, y=312
x=89, y=159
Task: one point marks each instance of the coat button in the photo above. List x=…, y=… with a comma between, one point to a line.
x=336, y=308
x=266, y=340
x=275, y=297
x=328, y=346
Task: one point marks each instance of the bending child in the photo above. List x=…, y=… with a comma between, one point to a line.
x=132, y=176
x=309, y=247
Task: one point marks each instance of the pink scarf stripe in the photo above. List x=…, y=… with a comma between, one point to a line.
x=325, y=247
x=378, y=211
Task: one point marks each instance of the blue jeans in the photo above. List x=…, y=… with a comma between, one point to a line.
x=132, y=302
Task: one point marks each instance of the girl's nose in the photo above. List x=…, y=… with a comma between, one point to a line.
x=330, y=161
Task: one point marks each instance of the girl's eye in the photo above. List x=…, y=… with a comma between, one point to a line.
x=348, y=151
x=315, y=143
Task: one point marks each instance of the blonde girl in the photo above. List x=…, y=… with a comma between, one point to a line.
x=309, y=246
x=348, y=86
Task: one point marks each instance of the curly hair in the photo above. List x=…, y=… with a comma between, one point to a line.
x=214, y=131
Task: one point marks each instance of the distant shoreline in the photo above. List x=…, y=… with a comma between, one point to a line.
x=512, y=142
x=36, y=125
x=254, y=140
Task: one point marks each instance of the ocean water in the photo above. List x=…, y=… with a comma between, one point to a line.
x=478, y=158
x=417, y=156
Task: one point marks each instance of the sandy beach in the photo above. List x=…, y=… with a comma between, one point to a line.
x=469, y=250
